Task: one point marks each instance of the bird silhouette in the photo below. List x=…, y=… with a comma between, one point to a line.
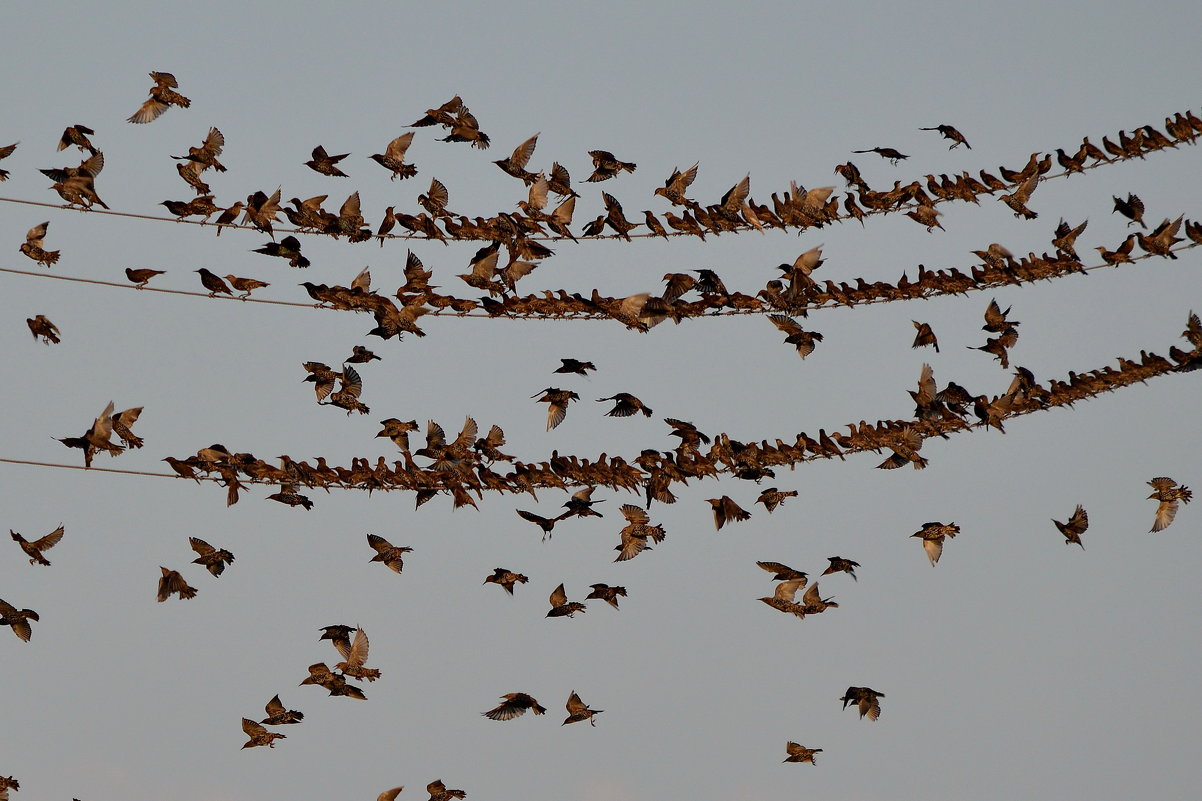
x=604, y=592
x=33, y=548
x=889, y=153
x=840, y=565
x=726, y=511
x=514, y=705
x=171, y=582
x=1075, y=527
x=213, y=559
x=141, y=276
x=865, y=699
x=606, y=166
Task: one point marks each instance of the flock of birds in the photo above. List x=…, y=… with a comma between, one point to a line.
x=470, y=464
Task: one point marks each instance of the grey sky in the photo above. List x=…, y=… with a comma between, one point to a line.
x=1016, y=668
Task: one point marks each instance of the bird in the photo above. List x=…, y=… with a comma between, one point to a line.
x=287, y=248
x=390, y=795
x=726, y=511
x=577, y=711
x=18, y=619
x=33, y=548
x=677, y=184
x=995, y=318
x=465, y=128
x=1075, y=526
x=636, y=532
x=514, y=705
x=581, y=504
x=326, y=164
x=950, y=133
x=866, y=700
x=886, y=153
x=393, y=157
x=347, y=396
x=782, y=572
x=40, y=326
x=604, y=592
x=1168, y=492
x=77, y=135
x=213, y=282
x=606, y=166
x=545, y=523
x=321, y=675
x=33, y=247
x=515, y=164
x=799, y=753
x=1130, y=207
x=812, y=603
x=506, y=579
x=772, y=498
x=1017, y=200
x=439, y=792
x=245, y=285
x=259, y=735
x=932, y=536
x=841, y=565
x=97, y=438
x=213, y=559
x=1121, y=254
x=122, y=423
x=203, y=157
x=387, y=553
x=925, y=336
x=279, y=715
x=172, y=582
x=5, y=152
x=801, y=339
x=575, y=366
x=557, y=400
x=625, y=405
x=142, y=275
x=561, y=607
x=1066, y=237
x=162, y=97
x=323, y=379
x=784, y=598
x=355, y=655
x=396, y=430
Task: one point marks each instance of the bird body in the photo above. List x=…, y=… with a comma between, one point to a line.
x=18, y=619
x=1168, y=492
x=865, y=699
x=561, y=606
x=514, y=705
x=171, y=582
x=799, y=753
x=1075, y=527
x=259, y=735
x=578, y=711
x=33, y=549
x=162, y=97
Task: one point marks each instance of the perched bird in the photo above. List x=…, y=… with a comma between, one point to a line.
x=606, y=166
x=259, y=735
x=545, y=523
x=886, y=153
x=575, y=366
x=1131, y=207
x=1075, y=526
x=18, y=619
x=932, y=536
x=5, y=152
x=172, y=582
x=142, y=275
x=625, y=405
x=33, y=549
x=925, y=336
x=162, y=97
x=561, y=607
x=772, y=498
x=355, y=655
x=393, y=157
x=213, y=282
x=513, y=705
x=245, y=285
x=557, y=400
x=577, y=711
x=279, y=715
x=40, y=326
x=726, y=510
x=387, y=553
x=506, y=579
x=799, y=753
x=926, y=215
x=1168, y=492
x=326, y=164
x=950, y=133
x=33, y=247
x=213, y=559
x=1121, y=254
x=677, y=184
x=866, y=699
x=841, y=565
x=604, y=592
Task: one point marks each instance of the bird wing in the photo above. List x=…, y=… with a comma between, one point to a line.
x=379, y=544
x=1165, y=512
x=785, y=324
x=575, y=705
x=102, y=427
x=438, y=193
x=397, y=147
x=390, y=795
x=252, y=729
x=50, y=540
x=934, y=549
x=357, y=654
x=275, y=706
x=352, y=384
x=559, y=597
x=523, y=152
x=200, y=546
x=787, y=590
x=634, y=514
x=1079, y=521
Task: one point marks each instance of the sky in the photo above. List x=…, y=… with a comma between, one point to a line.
x=1016, y=667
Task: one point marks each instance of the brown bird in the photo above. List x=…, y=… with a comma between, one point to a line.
x=950, y=133
x=677, y=184
x=866, y=699
x=561, y=607
x=1075, y=526
x=1066, y=237
x=801, y=339
x=361, y=355
x=393, y=157
x=33, y=549
x=557, y=400
x=782, y=572
x=213, y=282
x=797, y=752
x=515, y=165
x=812, y=603
x=545, y=523
x=575, y=366
x=926, y=215
x=5, y=152
x=387, y=553
x=604, y=592
x=439, y=792
x=1017, y=200
x=162, y=97
x=932, y=536
x=513, y=705
x=77, y=135
x=925, y=336
x=1132, y=208
x=1121, y=254
x=172, y=582
x=40, y=326
x=141, y=276
x=347, y=396
x=606, y=166
x=784, y=599
x=506, y=579
x=577, y=711
x=636, y=532
x=1168, y=492
x=465, y=128
x=321, y=675
x=581, y=504
x=726, y=510
x=203, y=157
x=326, y=164
x=396, y=430
x=122, y=423
x=245, y=285
x=259, y=735
x=625, y=405
x=355, y=655
x=279, y=715
x=33, y=247
x=995, y=318
x=772, y=498
x=841, y=565
x=390, y=795
x=214, y=559
x=886, y=153
x=287, y=248
x=18, y=619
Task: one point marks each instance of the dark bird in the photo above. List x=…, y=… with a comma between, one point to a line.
x=122, y=423
x=925, y=336
x=5, y=152
x=213, y=559
x=33, y=549
x=338, y=634
x=172, y=582
x=886, y=153
x=866, y=699
x=387, y=553
x=347, y=396
x=625, y=405
x=465, y=128
x=841, y=565
x=561, y=607
x=245, y=285
x=213, y=282
x=515, y=165
x=796, y=336
x=203, y=157
x=772, y=498
x=636, y=532
x=326, y=164
x=287, y=248
x=606, y=166
x=361, y=355
x=782, y=572
x=279, y=715
x=40, y=326
x=926, y=215
x=393, y=157
x=812, y=603
x=784, y=599
x=18, y=619
x=677, y=184
x=726, y=511
x=34, y=246
x=604, y=592
x=1121, y=254
x=397, y=431
x=1066, y=237
x=355, y=655
x=323, y=379
x=545, y=523
x=513, y=705
x=995, y=318
x=932, y=536
x=557, y=400
x=162, y=97
x=77, y=135
x=577, y=711
x=1132, y=208
x=439, y=792
x=259, y=735
x=142, y=275
x=1168, y=492
x=575, y=366
x=1075, y=527
x=581, y=504
x=506, y=579
x=321, y=675
x=950, y=134
x=443, y=115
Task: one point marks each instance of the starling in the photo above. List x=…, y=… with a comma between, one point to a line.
x=932, y=536
x=577, y=711
x=339, y=635
x=545, y=523
x=772, y=498
x=515, y=165
x=279, y=715
x=801, y=339
x=1121, y=254
x=390, y=795
x=40, y=326
x=465, y=128
x=812, y=603
x=506, y=579
x=259, y=735
x=561, y=607
x=393, y=157
x=213, y=282
x=439, y=792
x=625, y=405
x=575, y=366
x=581, y=504
x=636, y=532
x=18, y=619
x=925, y=336
x=604, y=592
x=5, y=152
x=605, y=166
x=33, y=549
x=321, y=675
x=245, y=285
x=213, y=559
x=361, y=355
x=841, y=565
x=726, y=510
x=77, y=135
x=326, y=164
x=387, y=553
x=1075, y=527
x=865, y=699
x=347, y=396
x=355, y=654
x=677, y=184
x=205, y=156
x=33, y=248
x=1168, y=492
x=557, y=400
x=784, y=598
x=1132, y=208
x=287, y=248
x=1017, y=200
x=162, y=97
x=395, y=429
x=172, y=582
x=951, y=134
x=1066, y=237
x=141, y=276
x=513, y=705
x=782, y=572
x=799, y=753
x=886, y=153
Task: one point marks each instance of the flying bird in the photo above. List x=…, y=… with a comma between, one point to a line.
x=925, y=336
x=279, y=715
x=801, y=339
x=636, y=532
x=393, y=157
x=782, y=572
x=355, y=655
x=513, y=705
x=506, y=579
x=772, y=498
x=326, y=164
x=866, y=699
x=1130, y=207
x=33, y=548
x=1075, y=526
x=77, y=135
x=886, y=153
x=575, y=366
x=439, y=792
x=5, y=152
x=213, y=559
x=259, y=735
x=606, y=166
x=950, y=133
x=726, y=511
x=35, y=240
x=162, y=97
x=604, y=592
x=625, y=405
x=390, y=795
x=932, y=536
x=577, y=711
x=387, y=553
x=321, y=675
x=515, y=164
x=18, y=619
x=561, y=607
x=40, y=326
x=799, y=753
x=1168, y=492
x=172, y=582
x=841, y=565
x=557, y=400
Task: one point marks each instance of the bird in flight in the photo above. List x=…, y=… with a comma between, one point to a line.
x=561, y=607
x=387, y=553
x=162, y=97
x=506, y=579
x=799, y=753
x=1168, y=492
x=866, y=699
x=33, y=549
x=259, y=735
x=213, y=559
x=578, y=711
x=513, y=705
x=172, y=582
x=41, y=326
x=950, y=133
x=18, y=619
x=932, y=536
x=886, y=153
x=1075, y=526
x=279, y=715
